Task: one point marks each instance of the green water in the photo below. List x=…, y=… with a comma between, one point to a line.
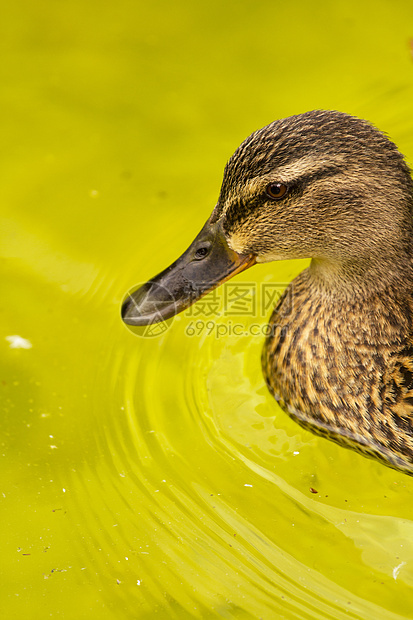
x=155, y=477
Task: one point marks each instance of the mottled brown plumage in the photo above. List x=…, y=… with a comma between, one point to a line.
x=344, y=369
x=339, y=358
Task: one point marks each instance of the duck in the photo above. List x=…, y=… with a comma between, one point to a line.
x=338, y=355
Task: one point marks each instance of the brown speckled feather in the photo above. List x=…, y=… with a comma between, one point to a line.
x=345, y=370
x=339, y=358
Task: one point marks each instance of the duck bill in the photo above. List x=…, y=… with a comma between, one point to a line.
x=207, y=263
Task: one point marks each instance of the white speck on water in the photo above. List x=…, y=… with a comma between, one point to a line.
x=295, y=453
x=64, y=490
x=396, y=570
x=17, y=342
x=53, y=447
x=138, y=583
x=247, y=485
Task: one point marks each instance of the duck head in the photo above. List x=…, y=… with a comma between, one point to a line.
x=321, y=185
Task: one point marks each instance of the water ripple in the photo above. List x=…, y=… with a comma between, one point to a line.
x=198, y=506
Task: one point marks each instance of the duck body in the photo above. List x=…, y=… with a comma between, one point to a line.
x=344, y=368
x=339, y=355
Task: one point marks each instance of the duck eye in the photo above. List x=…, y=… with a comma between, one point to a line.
x=276, y=190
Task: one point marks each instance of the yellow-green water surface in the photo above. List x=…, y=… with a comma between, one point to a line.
x=155, y=477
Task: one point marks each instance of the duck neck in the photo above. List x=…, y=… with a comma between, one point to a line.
x=363, y=277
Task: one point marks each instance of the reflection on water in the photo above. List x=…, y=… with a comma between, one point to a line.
x=193, y=507
x=152, y=477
